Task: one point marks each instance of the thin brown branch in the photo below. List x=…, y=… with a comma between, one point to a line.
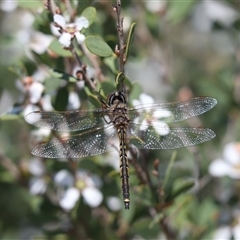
x=92, y=58
x=121, y=46
x=169, y=233
x=141, y=173
x=83, y=70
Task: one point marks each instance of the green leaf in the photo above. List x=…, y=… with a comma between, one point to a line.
x=110, y=62
x=57, y=48
x=178, y=10
x=108, y=87
x=61, y=75
x=89, y=13
x=10, y=117
x=61, y=99
x=119, y=81
x=98, y=47
x=181, y=186
x=30, y=4
x=169, y=168
x=157, y=218
x=136, y=90
x=92, y=98
x=130, y=39
x=51, y=84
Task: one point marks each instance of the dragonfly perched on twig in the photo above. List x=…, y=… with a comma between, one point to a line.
x=134, y=127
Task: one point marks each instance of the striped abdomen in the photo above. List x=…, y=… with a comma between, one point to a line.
x=124, y=166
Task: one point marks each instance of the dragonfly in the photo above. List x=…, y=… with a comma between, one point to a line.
x=141, y=127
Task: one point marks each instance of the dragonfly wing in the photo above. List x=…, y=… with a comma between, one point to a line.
x=66, y=121
x=173, y=112
x=89, y=143
x=171, y=138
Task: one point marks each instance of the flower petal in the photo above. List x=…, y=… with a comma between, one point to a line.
x=37, y=186
x=146, y=99
x=65, y=39
x=81, y=22
x=59, y=19
x=92, y=196
x=161, y=114
x=161, y=128
x=114, y=203
x=222, y=233
x=64, y=178
x=136, y=102
x=69, y=198
x=36, y=167
x=35, y=92
x=231, y=154
x=219, y=168
x=80, y=37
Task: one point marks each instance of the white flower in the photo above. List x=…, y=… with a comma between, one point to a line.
x=85, y=186
x=70, y=30
x=39, y=42
x=151, y=117
x=37, y=186
x=228, y=232
x=38, y=183
x=229, y=165
x=73, y=101
x=114, y=203
x=69, y=198
x=8, y=6
x=207, y=12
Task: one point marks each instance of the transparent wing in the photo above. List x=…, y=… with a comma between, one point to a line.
x=149, y=138
x=88, y=143
x=174, y=112
x=67, y=121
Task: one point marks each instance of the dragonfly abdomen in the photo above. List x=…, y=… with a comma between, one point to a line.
x=124, y=166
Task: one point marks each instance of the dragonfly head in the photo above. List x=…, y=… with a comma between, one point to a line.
x=116, y=97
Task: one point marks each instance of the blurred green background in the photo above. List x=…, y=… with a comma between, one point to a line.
x=180, y=50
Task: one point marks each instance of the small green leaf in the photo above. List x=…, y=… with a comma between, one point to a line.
x=92, y=98
x=30, y=4
x=110, y=62
x=10, y=117
x=169, y=168
x=135, y=92
x=98, y=47
x=157, y=218
x=182, y=186
x=130, y=39
x=57, y=48
x=51, y=84
x=61, y=75
x=178, y=10
x=119, y=81
x=108, y=87
x=89, y=13
x=61, y=99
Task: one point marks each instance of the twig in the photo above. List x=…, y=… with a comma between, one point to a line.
x=51, y=6
x=120, y=49
x=93, y=60
x=83, y=70
x=170, y=235
x=142, y=175
x=70, y=10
